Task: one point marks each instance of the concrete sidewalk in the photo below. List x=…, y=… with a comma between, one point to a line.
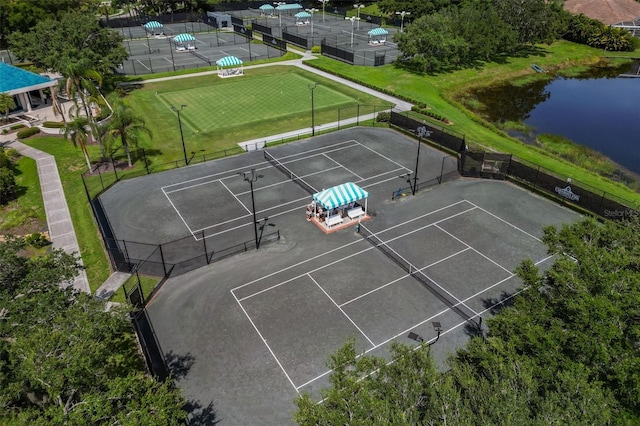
x=61, y=229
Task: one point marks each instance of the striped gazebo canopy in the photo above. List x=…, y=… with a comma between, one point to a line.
x=378, y=32
x=266, y=7
x=228, y=61
x=340, y=195
x=289, y=7
x=181, y=38
x=152, y=25
x=302, y=15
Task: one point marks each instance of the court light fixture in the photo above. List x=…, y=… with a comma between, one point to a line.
x=323, y=3
x=279, y=3
x=312, y=11
x=421, y=131
x=184, y=149
x=358, y=6
x=312, y=87
x=353, y=19
x=251, y=176
x=402, y=14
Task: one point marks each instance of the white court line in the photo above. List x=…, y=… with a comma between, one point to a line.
x=148, y=69
x=405, y=276
x=344, y=167
x=341, y=310
x=178, y=213
x=266, y=344
x=234, y=196
x=477, y=251
x=508, y=223
x=340, y=248
x=383, y=156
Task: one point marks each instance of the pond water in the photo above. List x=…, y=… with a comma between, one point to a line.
x=597, y=109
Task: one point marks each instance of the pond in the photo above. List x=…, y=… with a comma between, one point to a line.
x=598, y=109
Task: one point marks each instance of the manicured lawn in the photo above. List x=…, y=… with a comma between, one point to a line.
x=439, y=93
x=222, y=112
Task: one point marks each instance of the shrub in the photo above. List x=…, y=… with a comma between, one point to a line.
x=316, y=49
x=383, y=117
x=25, y=133
x=5, y=131
x=53, y=124
x=7, y=185
x=37, y=240
x=17, y=126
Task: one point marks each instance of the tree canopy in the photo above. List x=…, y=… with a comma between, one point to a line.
x=63, y=358
x=565, y=352
x=55, y=43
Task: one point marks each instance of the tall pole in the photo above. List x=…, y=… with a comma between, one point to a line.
x=402, y=15
x=323, y=3
x=311, y=11
x=251, y=177
x=358, y=6
x=421, y=132
x=313, y=119
x=278, y=4
x=353, y=19
x=184, y=148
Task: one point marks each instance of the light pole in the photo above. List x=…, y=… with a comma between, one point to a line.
x=312, y=11
x=402, y=14
x=421, y=132
x=358, y=6
x=278, y=4
x=353, y=19
x=184, y=149
x=251, y=176
x=312, y=87
x=323, y=3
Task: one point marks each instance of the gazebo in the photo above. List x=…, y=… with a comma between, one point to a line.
x=302, y=18
x=153, y=27
x=266, y=8
x=340, y=203
x=181, y=39
x=377, y=36
x=229, y=66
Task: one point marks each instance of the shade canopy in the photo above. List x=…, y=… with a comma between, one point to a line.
x=289, y=7
x=340, y=195
x=181, y=38
x=228, y=61
x=266, y=7
x=378, y=31
x=152, y=25
x=302, y=15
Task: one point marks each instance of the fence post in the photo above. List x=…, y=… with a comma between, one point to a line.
x=144, y=157
x=358, y=114
x=204, y=241
x=164, y=266
x=535, y=182
x=115, y=172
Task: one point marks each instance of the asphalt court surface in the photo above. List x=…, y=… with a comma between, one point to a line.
x=225, y=202
x=380, y=301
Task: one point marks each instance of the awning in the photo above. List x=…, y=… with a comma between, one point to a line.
x=181, y=38
x=378, y=31
x=266, y=7
x=228, y=61
x=151, y=25
x=340, y=195
x=288, y=7
x=302, y=15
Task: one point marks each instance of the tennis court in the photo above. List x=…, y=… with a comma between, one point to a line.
x=249, y=333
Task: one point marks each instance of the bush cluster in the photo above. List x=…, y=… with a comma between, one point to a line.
x=17, y=126
x=37, y=240
x=422, y=109
x=8, y=185
x=25, y=133
x=53, y=124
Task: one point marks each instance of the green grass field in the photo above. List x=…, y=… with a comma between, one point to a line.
x=222, y=112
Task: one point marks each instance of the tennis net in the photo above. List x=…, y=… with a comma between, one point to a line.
x=447, y=298
x=294, y=177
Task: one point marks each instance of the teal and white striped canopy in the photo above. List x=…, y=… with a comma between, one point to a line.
x=181, y=38
x=266, y=7
x=288, y=7
x=340, y=195
x=378, y=32
x=302, y=15
x=228, y=61
x=152, y=25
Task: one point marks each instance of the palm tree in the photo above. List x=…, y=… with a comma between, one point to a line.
x=6, y=104
x=81, y=82
x=76, y=131
x=126, y=126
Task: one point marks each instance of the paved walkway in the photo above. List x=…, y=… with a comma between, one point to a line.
x=59, y=222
